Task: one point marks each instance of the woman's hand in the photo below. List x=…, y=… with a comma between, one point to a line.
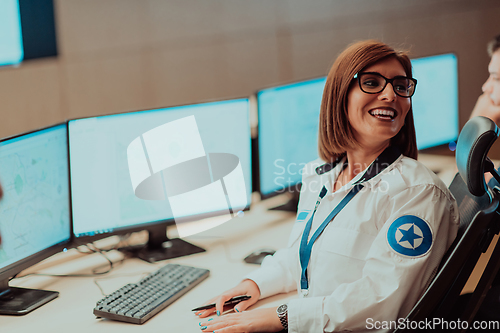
x=485, y=107
x=246, y=287
x=258, y=320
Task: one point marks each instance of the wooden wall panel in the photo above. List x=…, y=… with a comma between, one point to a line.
x=104, y=86
x=251, y=64
x=186, y=75
x=315, y=51
x=121, y=55
x=99, y=28
x=184, y=21
x=30, y=97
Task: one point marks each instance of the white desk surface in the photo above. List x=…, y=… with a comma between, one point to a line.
x=226, y=247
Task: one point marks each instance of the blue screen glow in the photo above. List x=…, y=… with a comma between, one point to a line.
x=34, y=213
x=11, y=43
x=435, y=103
x=102, y=191
x=288, y=132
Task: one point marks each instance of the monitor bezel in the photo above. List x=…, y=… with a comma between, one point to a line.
x=10, y=271
x=146, y=226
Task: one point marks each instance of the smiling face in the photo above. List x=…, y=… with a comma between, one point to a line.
x=376, y=118
x=492, y=85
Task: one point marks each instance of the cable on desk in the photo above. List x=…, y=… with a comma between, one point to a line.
x=122, y=238
x=94, y=271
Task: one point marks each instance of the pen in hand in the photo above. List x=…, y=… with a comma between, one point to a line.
x=234, y=300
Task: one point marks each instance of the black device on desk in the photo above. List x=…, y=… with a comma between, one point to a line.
x=35, y=220
x=121, y=178
x=137, y=302
x=258, y=256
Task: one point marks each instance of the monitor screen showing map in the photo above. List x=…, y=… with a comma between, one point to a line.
x=35, y=209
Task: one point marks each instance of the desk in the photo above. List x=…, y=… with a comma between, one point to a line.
x=226, y=247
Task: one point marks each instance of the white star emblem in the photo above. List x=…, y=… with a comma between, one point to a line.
x=409, y=236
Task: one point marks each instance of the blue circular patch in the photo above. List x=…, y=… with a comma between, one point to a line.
x=410, y=236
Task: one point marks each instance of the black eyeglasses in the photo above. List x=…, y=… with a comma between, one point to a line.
x=373, y=83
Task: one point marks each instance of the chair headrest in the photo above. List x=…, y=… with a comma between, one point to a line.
x=474, y=142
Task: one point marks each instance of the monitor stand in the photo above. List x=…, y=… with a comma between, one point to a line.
x=20, y=301
x=160, y=247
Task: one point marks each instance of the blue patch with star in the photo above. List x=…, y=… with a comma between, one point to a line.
x=410, y=236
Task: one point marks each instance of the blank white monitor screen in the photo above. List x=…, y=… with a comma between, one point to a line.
x=102, y=190
x=435, y=103
x=11, y=43
x=35, y=212
x=289, y=117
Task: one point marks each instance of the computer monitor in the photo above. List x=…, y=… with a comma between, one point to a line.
x=34, y=212
x=151, y=169
x=435, y=103
x=287, y=135
x=11, y=41
x=39, y=28
x=289, y=117
x=27, y=30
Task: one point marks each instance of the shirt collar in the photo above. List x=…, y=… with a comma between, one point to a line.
x=383, y=164
x=385, y=160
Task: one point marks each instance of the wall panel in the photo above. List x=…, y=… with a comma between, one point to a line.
x=121, y=55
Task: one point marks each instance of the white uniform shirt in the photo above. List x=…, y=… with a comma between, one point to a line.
x=354, y=272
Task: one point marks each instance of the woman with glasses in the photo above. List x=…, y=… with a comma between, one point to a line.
x=372, y=222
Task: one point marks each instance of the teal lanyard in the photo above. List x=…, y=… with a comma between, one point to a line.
x=386, y=158
x=305, y=247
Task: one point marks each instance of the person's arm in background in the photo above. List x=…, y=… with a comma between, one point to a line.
x=488, y=104
x=485, y=107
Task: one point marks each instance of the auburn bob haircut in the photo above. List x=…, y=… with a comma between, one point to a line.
x=335, y=132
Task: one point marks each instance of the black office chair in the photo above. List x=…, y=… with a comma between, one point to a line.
x=479, y=222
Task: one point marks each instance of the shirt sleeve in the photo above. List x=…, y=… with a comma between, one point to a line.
x=392, y=280
x=274, y=275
